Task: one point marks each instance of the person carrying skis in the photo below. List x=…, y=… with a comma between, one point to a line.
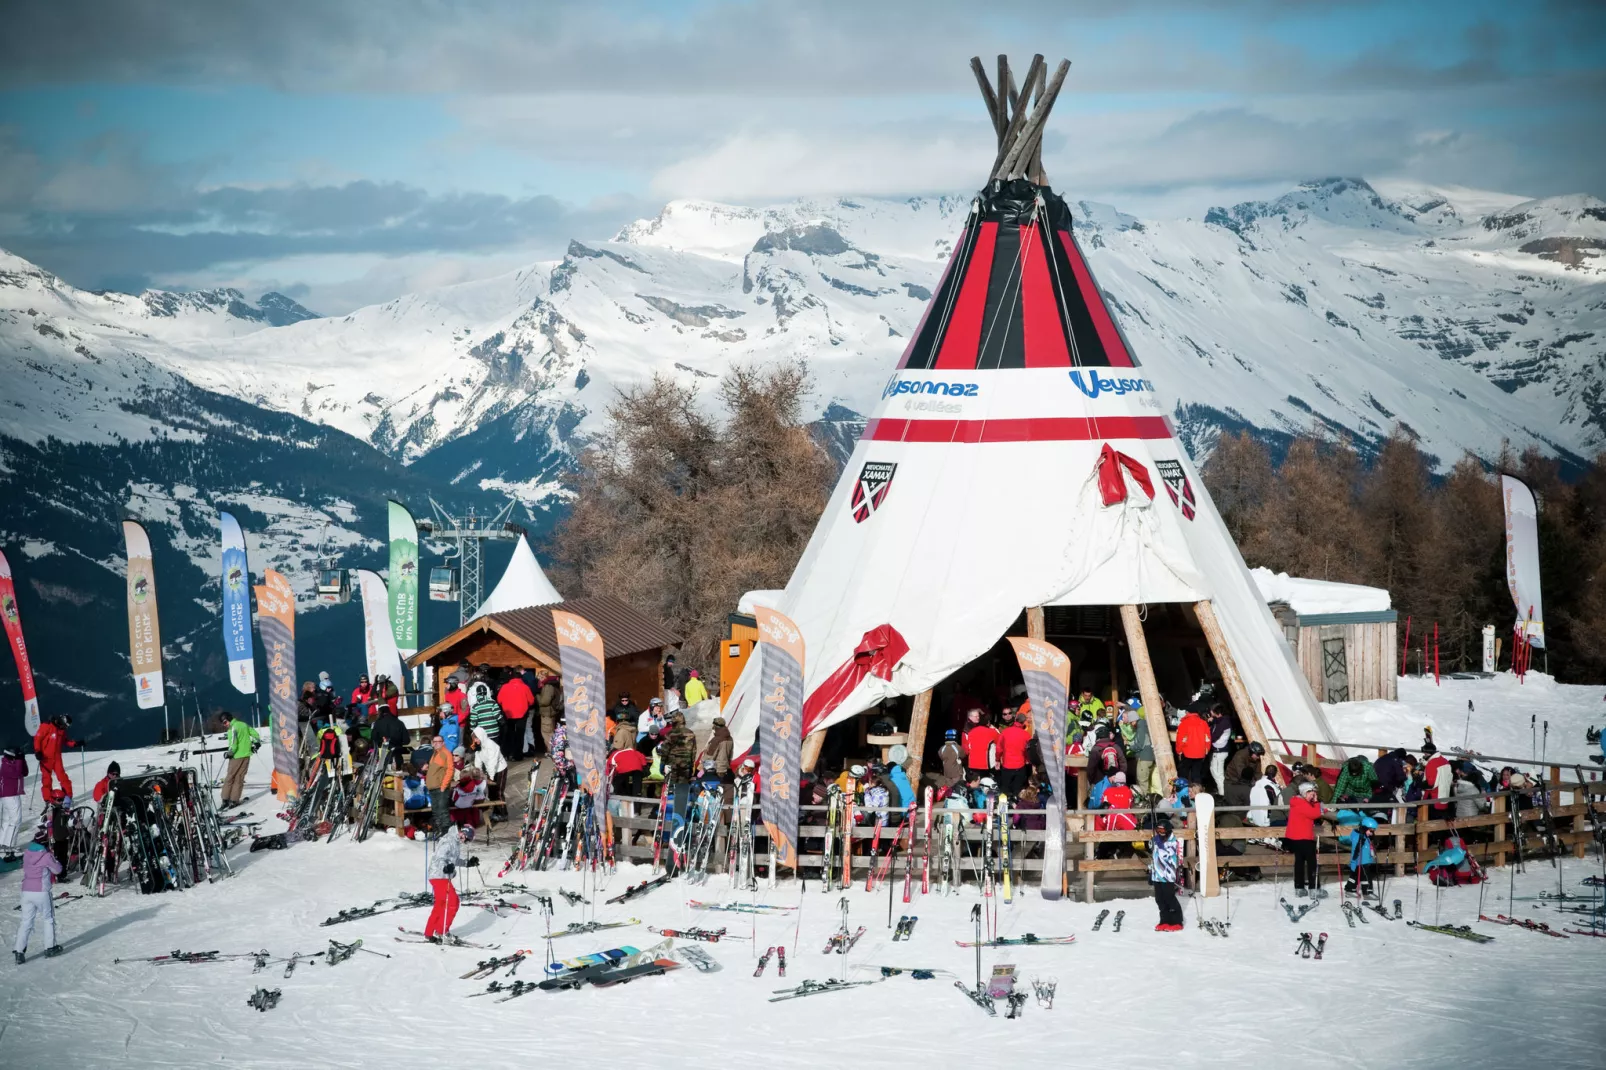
x=242, y=743
x=443, y=863
x=13, y=779
x=1165, y=863
x=47, y=745
x=39, y=872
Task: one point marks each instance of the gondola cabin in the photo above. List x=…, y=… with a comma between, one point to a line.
x=334, y=586
x=443, y=584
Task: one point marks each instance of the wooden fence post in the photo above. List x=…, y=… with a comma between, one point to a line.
x=1399, y=841
x=1499, y=831
x=1084, y=823
x=1153, y=706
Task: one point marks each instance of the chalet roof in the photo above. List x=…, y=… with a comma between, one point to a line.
x=624, y=629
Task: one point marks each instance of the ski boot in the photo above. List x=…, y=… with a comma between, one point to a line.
x=20, y=957
x=52, y=951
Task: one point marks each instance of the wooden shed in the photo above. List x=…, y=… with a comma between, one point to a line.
x=1344, y=635
x=635, y=644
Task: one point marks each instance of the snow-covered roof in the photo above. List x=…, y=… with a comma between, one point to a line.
x=522, y=585
x=1317, y=597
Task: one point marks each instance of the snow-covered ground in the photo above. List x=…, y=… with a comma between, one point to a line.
x=1384, y=994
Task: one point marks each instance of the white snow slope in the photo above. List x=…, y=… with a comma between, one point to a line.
x=1384, y=994
x=1470, y=317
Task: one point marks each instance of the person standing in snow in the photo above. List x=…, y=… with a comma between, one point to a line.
x=671, y=683
x=438, y=777
x=13, y=778
x=515, y=698
x=39, y=872
x=1165, y=862
x=695, y=690
x=443, y=863
x=242, y=743
x=1303, y=812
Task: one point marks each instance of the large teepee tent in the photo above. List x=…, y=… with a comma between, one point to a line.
x=1020, y=458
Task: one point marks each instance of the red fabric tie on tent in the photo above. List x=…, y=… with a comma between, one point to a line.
x=1112, y=486
x=880, y=649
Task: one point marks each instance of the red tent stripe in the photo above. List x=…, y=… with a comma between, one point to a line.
x=1029, y=429
x=1108, y=335
x=962, y=338
x=1040, y=317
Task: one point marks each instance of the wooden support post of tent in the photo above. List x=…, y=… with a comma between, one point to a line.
x=1085, y=823
x=1035, y=628
x=1248, y=719
x=1153, y=706
x=1115, y=674
x=918, y=720
x=811, y=749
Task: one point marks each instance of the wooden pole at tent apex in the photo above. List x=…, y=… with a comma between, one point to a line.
x=1153, y=706
x=918, y=720
x=1248, y=718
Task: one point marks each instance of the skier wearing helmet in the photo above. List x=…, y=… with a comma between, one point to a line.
x=1165, y=863
x=443, y=863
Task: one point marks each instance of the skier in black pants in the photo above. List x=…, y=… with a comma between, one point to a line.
x=1165, y=862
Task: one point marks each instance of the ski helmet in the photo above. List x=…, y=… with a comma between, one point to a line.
x=950, y=734
x=1255, y=748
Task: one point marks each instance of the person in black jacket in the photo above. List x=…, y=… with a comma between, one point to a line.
x=1394, y=771
x=388, y=730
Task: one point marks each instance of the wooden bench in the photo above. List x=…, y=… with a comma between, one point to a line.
x=394, y=811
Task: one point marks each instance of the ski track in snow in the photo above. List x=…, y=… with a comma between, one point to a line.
x=1384, y=994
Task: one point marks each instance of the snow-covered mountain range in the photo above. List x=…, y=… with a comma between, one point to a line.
x=1469, y=318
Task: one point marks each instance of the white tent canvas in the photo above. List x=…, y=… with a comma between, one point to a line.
x=974, y=491
x=522, y=585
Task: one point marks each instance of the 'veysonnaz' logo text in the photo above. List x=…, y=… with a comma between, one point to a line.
x=930, y=386
x=1093, y=384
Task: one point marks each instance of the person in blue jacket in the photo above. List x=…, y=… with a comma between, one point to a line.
x=1361, y=854
x=900, y=780
x=451, y=732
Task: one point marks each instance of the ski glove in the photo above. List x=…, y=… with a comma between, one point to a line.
x=449, y=869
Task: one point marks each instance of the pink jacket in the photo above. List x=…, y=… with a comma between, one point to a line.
x=39, y=868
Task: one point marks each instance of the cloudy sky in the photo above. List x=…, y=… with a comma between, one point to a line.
x=344, y=152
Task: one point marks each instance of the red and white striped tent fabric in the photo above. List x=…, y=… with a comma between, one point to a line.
x=1018, y=457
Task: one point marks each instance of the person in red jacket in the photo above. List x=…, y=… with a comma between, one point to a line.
x=1013, y=767
x=363, y=693
x=1193, y=747
x=455, y=697
x=515, y=698
x=107, y=782
x=1304, y=810
x=1439, y=778
x=980, y=740
x=47, y=744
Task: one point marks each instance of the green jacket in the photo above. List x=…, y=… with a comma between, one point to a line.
x=1356, y=787
x=241, y=739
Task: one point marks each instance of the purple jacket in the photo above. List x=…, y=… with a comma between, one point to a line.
x=13, y=774
x=39, y=868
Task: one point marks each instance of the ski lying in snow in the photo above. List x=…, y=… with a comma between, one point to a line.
x=1349, y=915
x=707, y=936
x=919, y=973
x=1379, y=908
x=191, y=957
x=740, y=908
x=763, y=961
x=1098, y=922
x=1115, y=926
x=814, y=988
x=1305, y=948
x=1214, y=927
x=1294, y=915
x=1028, y=940
x=979, y=997
x=1585, y=932
x=413, y=936
x=581, y=928
x=842, y=941
x=1462, y=931
x=1321, y=945
x=264, y=999
x=382, y=906
x=1522, y=923
x=906, y=927
x=697, y=958
x=486, y=967
x=641, y=889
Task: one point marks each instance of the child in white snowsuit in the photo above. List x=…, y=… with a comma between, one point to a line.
x=39, y=872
